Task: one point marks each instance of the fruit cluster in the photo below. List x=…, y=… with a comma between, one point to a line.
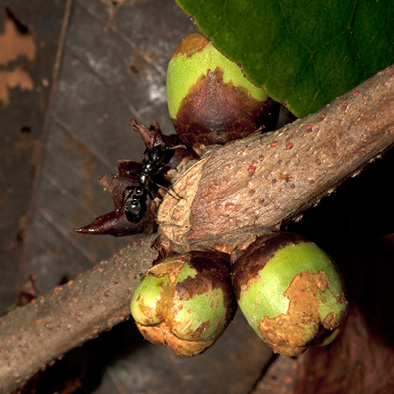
x=288, y=289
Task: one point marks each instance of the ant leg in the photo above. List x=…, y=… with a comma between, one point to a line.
x=170, y=190
x=178, y=146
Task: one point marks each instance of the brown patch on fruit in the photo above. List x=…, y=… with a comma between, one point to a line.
x=147, y=311
x=257, y=255
x=170, y=268
x=214, y=112
x=201, y=329
x=190, y=45
x=289, y=334
x=212, y=273
x=330, y=320
x=161, y=335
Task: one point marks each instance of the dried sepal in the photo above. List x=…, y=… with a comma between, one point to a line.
x=115, y=222
x=121, y=186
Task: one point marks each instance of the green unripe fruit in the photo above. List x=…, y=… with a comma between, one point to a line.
x=290, y=292
x=210, y=101
x=185, y=302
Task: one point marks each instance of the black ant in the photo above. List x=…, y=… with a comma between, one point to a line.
x=154, y=162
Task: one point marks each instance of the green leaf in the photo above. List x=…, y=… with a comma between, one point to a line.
x=304, y=53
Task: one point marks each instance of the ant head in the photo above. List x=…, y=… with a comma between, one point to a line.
x=156, y=156
x=159, y=154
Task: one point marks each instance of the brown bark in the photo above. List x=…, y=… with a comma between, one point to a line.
x=251, y=186
x=44, y=330
x=244, y=189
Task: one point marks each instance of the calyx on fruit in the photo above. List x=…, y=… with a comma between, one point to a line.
x=290, y=292
x=184, y=302
x=210, y=101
